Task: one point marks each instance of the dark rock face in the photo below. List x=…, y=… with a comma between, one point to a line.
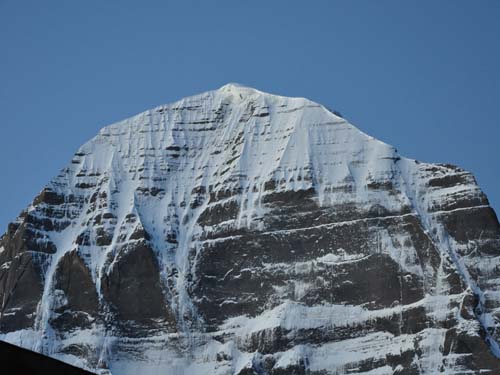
x=21, y=289
x=80, y=306
x=134, y=290
x=258, y=270
x=237, y=232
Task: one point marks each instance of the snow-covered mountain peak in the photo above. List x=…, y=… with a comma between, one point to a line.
x=235, y=87
x=237, y=136
x=238, y=93
x=231, y=97
x=240, y=232
x=241, y=93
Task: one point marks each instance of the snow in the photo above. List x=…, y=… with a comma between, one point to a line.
x=293, y=316
x=336, y=356
x=237, y=138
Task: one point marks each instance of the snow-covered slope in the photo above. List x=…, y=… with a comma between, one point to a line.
x=239, y=232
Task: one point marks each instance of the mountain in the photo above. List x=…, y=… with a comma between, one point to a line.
x=239, y=232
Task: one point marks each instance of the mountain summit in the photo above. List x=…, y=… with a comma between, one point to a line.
x=239, y=232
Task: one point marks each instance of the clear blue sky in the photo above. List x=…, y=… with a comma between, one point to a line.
x=423, y=76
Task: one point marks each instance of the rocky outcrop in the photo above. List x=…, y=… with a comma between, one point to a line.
x=134, y=291
x=21, y=290
x=238, y=232
x=77, y=305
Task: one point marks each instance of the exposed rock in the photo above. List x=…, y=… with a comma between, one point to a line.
x=238, y=232
x=21, y=289
x=80, y=305
x=133, y=287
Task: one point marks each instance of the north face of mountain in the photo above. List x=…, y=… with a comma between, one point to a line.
x=239, y=232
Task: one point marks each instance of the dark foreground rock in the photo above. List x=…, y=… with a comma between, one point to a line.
x=16, y=360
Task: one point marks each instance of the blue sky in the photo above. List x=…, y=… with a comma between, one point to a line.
x=423, y=76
